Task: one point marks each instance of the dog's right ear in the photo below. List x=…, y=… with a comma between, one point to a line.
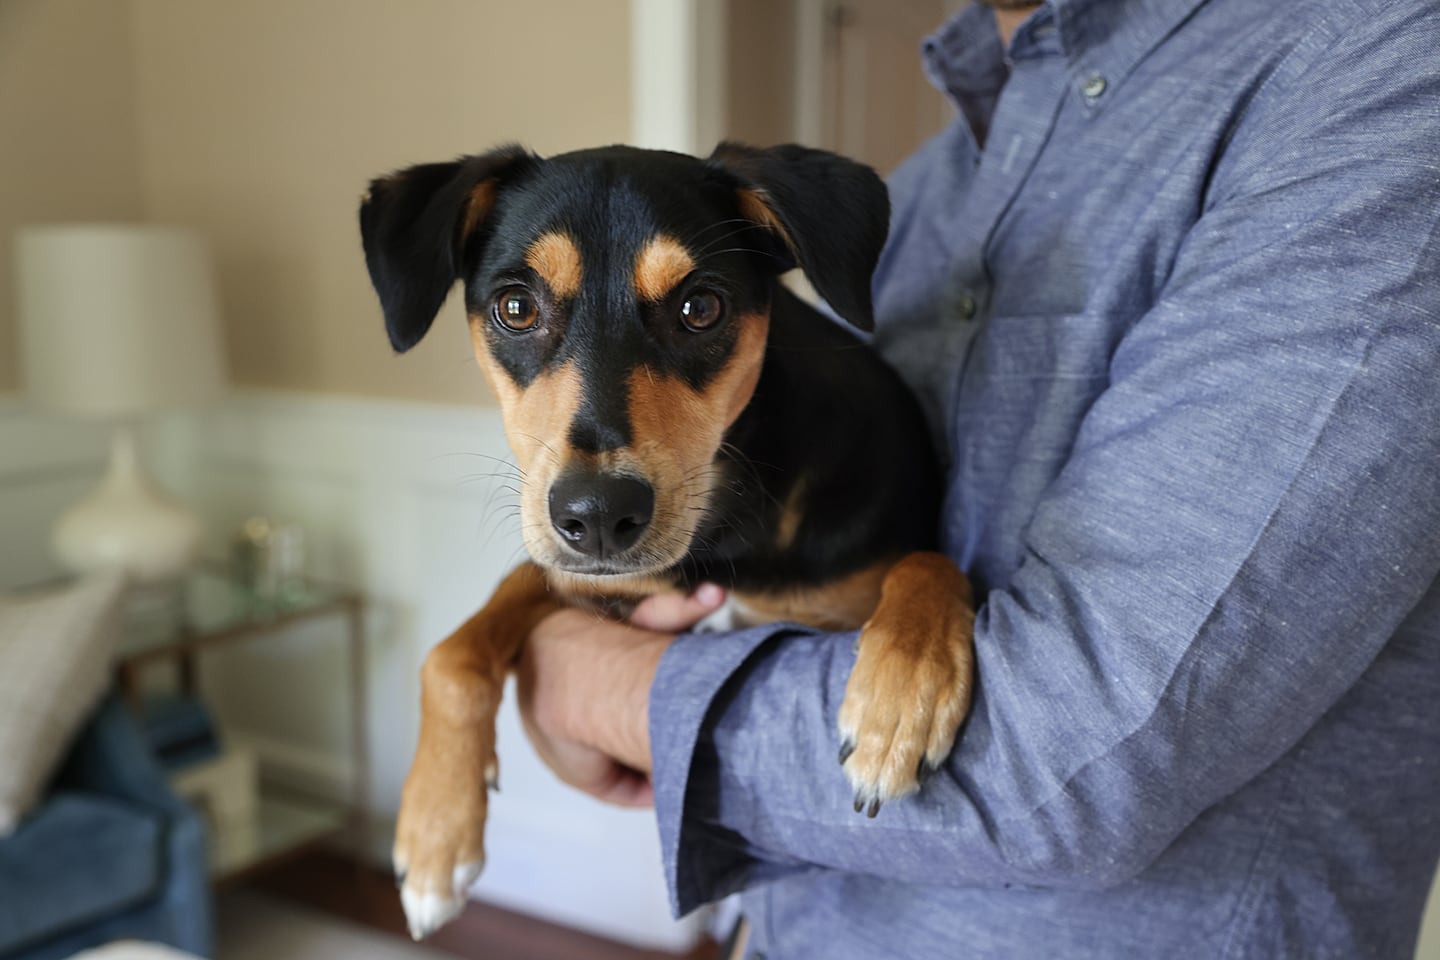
x=417, y=225
x=830, y=215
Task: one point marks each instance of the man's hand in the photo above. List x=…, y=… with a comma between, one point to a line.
x=584, y=691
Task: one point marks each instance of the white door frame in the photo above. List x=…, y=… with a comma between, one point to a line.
x=677, y=74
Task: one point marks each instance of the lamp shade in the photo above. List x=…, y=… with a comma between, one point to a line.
x=116, y=320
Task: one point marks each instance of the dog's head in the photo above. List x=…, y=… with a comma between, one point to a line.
x=619, y=303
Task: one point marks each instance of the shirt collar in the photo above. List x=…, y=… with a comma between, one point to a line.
x=964, y=58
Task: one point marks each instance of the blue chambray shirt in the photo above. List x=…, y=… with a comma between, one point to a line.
x=1170, y=285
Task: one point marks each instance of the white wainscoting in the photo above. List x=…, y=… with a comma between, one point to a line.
x=406, y=502
x=44, y=466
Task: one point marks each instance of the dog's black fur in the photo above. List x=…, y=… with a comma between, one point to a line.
x=827, y=411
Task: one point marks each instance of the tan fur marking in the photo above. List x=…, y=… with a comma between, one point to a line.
x=662, y=264
x=486, y=645
x=755, y=205
x=677, y=431
x=477, y=208
x=842, y=604
x=556, y=258
x=914, y=588
x=444, y=801
x=537, y=425
x=792, y=515
x=911, y=685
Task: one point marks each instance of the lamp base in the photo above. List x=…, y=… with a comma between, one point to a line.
x=128, y=523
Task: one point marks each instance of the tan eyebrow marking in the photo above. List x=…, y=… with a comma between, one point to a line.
x=662, y=264
x=556, y=258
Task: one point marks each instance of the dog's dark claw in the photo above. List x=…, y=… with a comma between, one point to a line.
x=846, y=748
x=399, y=879
x=860, y=805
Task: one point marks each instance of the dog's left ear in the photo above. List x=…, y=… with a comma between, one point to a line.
x=418, y=224
x=831, y=215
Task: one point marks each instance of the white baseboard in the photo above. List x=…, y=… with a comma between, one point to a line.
x=324, y=774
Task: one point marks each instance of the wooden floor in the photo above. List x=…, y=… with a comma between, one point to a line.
x=332, y=884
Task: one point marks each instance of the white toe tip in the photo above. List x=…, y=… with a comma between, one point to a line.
x=427, y=912
x=464, y=875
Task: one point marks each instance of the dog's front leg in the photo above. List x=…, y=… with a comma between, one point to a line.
x=910, y=688
x=439, y=837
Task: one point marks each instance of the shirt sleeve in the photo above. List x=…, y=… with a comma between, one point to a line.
x=1249, y=512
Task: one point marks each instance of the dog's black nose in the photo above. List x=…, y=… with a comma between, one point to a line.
x=600, y=514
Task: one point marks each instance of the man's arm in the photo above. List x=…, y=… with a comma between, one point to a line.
x=1248, y=514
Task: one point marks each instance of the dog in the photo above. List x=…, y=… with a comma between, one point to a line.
x=677, y=416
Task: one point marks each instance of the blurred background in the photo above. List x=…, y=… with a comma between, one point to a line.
x=216, y=409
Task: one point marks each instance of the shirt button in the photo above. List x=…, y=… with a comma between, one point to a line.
x=1093, y=86
x=965, y=307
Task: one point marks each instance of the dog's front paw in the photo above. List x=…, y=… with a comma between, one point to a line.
x=911, y=686
x=440, y=834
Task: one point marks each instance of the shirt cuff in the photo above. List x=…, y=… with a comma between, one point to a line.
x=702, y=860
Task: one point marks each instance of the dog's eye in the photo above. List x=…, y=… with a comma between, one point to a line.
x=515, y=309
x=701, y=310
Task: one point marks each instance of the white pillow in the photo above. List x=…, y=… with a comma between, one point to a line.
x=56, y=650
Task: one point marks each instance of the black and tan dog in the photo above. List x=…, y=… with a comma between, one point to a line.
x=677, y=416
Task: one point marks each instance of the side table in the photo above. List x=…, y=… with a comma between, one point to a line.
x=215, y=611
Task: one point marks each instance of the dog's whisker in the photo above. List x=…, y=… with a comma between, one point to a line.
x=759, y=253
x=706, y=250
x=542, y=442
x=497, y=526
x=505, y=463
x=692, y=239
x=479, y=477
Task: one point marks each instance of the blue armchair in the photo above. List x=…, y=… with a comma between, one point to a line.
x=110, y=854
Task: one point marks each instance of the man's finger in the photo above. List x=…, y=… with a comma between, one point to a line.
x=629, y=789
x=674, y=612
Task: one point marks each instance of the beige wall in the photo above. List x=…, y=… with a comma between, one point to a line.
x=760, y=71
x=261, y=121
x=68, y=141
